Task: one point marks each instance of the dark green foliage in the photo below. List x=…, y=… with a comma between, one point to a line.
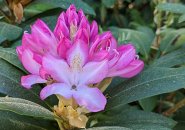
x=157, y=30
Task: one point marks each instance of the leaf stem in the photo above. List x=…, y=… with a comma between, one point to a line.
x=176, y=107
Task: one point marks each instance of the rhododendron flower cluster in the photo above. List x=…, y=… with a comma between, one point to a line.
x=73, y=57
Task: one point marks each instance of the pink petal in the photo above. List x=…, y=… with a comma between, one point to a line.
x=81, y=14
x=29, y=80
x=56, y=88
x=113, y=43
x=84, y=24
x=106, y=35
x=37, y=58
x=131, y=70
x=99, y=56
x=90, y=98
x=57, y=68
x=63, y=46
x=113, y=60
x=29, y=63
x=28, y=42
x=63, y=18
x=101, y=42
x=72, y=15
x=43, y=36
x=128, y=54
x=19, y=51
x=83, y=35
x=43, y=74
x=94, y=72
x=77, y=55
x=61, y=29
x=94, y=31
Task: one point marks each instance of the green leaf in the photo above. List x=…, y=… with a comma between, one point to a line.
x=25, y=107
x=35, y=8
x=136, y=18
x=2, y=39
x=8, y=124
x=146, y=126
x=115, y=81
x=171, y=59
x=49, y=20
x=109, y=3
x=10, y=32
x=151, y=82
x=64, y=4
x=168, y=42
x=148, y=104
x=15, y=44
x=10, y=55
x=11, y=120
x=10, y=84
x=148, y=31
x=108, y=128
x=179, y=117
x=140, y=39
x=134, y=119
x=181, y=18
x=172, y=7
x=133, y=126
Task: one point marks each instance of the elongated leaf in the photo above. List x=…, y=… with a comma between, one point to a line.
x=173, y=39
x=10, y=84
x=134, y=119
x=109, y=3
x=49, y=20
x=140, y=39
x=144, y=126
x=9, y=31
x=2, y=39
x=115, y=81
x=171, y=7
x=109, y=128
x=182, y=18
x=179, y=117
x=9, y=124
x=25, y=107
x=10, y=120
x=168, y=40
x=148, y=31
x=63, y=4
x=148, y=104
x=151, y=82
x=35, y=8
x=10, y=56
x=78, y=3
x=15, y=44
x=171, y=59
x=107, y=116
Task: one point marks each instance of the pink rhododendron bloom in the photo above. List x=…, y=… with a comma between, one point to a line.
x=73, y=57
x=74, y=75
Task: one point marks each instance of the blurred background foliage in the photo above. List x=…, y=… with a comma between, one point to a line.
x=155, y=27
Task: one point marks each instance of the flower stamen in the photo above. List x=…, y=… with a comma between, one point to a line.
x=73, y=30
